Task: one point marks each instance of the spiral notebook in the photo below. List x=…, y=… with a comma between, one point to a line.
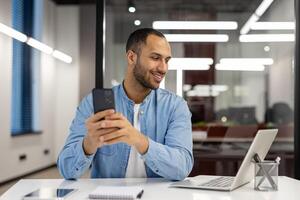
x=117, y=192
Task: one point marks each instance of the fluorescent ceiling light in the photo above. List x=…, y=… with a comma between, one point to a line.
x=62, y=56
x=183, y=67
x=195, y=25
x=34, y=43
x=207, y=90
x=248, y=61
x=246, y=28
x=137, y=22
x=256, y=15
x=241, y=67
x=131, y=9
x=267, y=38
x=179, y=82
x=40, y=46
x=219, y=88
x=12, y=33
x=273, y=26
x=197, y=37
x=266, y=48
x=186, y=87
x=263, y=7
x=190, y=63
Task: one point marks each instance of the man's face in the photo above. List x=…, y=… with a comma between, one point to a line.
x=152, y=62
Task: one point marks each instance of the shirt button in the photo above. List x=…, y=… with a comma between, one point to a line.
x=141, y=112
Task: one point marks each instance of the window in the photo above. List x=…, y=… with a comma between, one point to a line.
x=241, y=84
x=25, y=68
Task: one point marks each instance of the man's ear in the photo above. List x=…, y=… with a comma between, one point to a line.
x=131, y=57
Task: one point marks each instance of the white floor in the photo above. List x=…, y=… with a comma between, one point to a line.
x=50, y=173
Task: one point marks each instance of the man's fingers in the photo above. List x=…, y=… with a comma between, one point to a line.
x=105, y=131
x=116, y=140
x=113, y=135
x=112, y=124
x=115, y=116
x=100, y=115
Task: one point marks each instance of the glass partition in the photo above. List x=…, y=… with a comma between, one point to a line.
x=232, y=62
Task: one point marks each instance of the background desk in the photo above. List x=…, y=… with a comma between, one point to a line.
x=223, y=155
x=156, y=189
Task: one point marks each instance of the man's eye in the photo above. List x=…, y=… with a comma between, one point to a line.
x=155, y=58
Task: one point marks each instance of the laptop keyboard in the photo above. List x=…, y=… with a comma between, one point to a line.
x=223, y=181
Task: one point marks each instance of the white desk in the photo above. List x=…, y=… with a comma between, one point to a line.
x=156, y=189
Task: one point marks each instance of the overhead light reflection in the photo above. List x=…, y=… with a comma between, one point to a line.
x=265, y=4
x=190, y=63
x=256, y=15
x=267, y=38
x=266, y=48
x=207, y=90
x=197, y=37
x=62, y=56
x=137, y=22
x=12, y=33
x=131, y=6
x=240, y=67
x=34, y=43
x=245, y=29
x=273, y=26
x=195, y=25
x=248, y=61
x=39, y=45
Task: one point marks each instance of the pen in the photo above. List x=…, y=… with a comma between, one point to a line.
x=140, y=194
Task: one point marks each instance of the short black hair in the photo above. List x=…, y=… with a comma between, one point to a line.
x=140, y=36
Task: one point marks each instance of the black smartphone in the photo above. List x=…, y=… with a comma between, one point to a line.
x=103, y=99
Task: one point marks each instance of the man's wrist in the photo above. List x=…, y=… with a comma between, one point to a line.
x=143, y=144
x=87, y=151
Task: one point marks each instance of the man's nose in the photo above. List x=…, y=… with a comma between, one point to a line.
x=163, y=66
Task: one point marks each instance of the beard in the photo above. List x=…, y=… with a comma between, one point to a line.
x=139, y=73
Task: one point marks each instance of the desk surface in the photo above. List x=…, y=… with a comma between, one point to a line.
x=156, y=189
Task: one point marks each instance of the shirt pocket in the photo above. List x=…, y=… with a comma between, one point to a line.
x=108, y=150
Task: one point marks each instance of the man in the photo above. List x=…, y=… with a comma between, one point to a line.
x=149, y=134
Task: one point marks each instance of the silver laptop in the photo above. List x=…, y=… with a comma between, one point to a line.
x=260, y=145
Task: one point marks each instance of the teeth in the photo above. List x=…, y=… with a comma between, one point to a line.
x=158, y=76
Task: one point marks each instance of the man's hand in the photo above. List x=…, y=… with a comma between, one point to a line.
x=93, y=138
x=126, y=133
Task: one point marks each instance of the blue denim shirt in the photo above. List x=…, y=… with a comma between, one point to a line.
x=164, y=118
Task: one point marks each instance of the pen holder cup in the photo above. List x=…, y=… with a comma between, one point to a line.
x=266, y=176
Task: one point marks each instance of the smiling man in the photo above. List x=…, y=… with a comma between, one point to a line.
x=149, y=133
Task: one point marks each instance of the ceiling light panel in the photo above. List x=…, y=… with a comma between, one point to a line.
x=267, y=38
x=197, y=37
x=195, y=25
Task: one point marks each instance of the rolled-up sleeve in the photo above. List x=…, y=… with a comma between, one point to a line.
x=173, y=159
x=72, y=161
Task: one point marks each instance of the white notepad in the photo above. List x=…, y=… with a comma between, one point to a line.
x=116, y=192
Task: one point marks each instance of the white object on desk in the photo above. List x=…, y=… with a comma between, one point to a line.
x=116, y=192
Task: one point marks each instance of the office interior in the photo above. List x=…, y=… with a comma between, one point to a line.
x=234, y=83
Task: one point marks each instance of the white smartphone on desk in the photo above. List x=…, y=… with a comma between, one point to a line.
x=49, y=194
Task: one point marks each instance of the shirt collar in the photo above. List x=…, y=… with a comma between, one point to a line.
x=124, y=95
